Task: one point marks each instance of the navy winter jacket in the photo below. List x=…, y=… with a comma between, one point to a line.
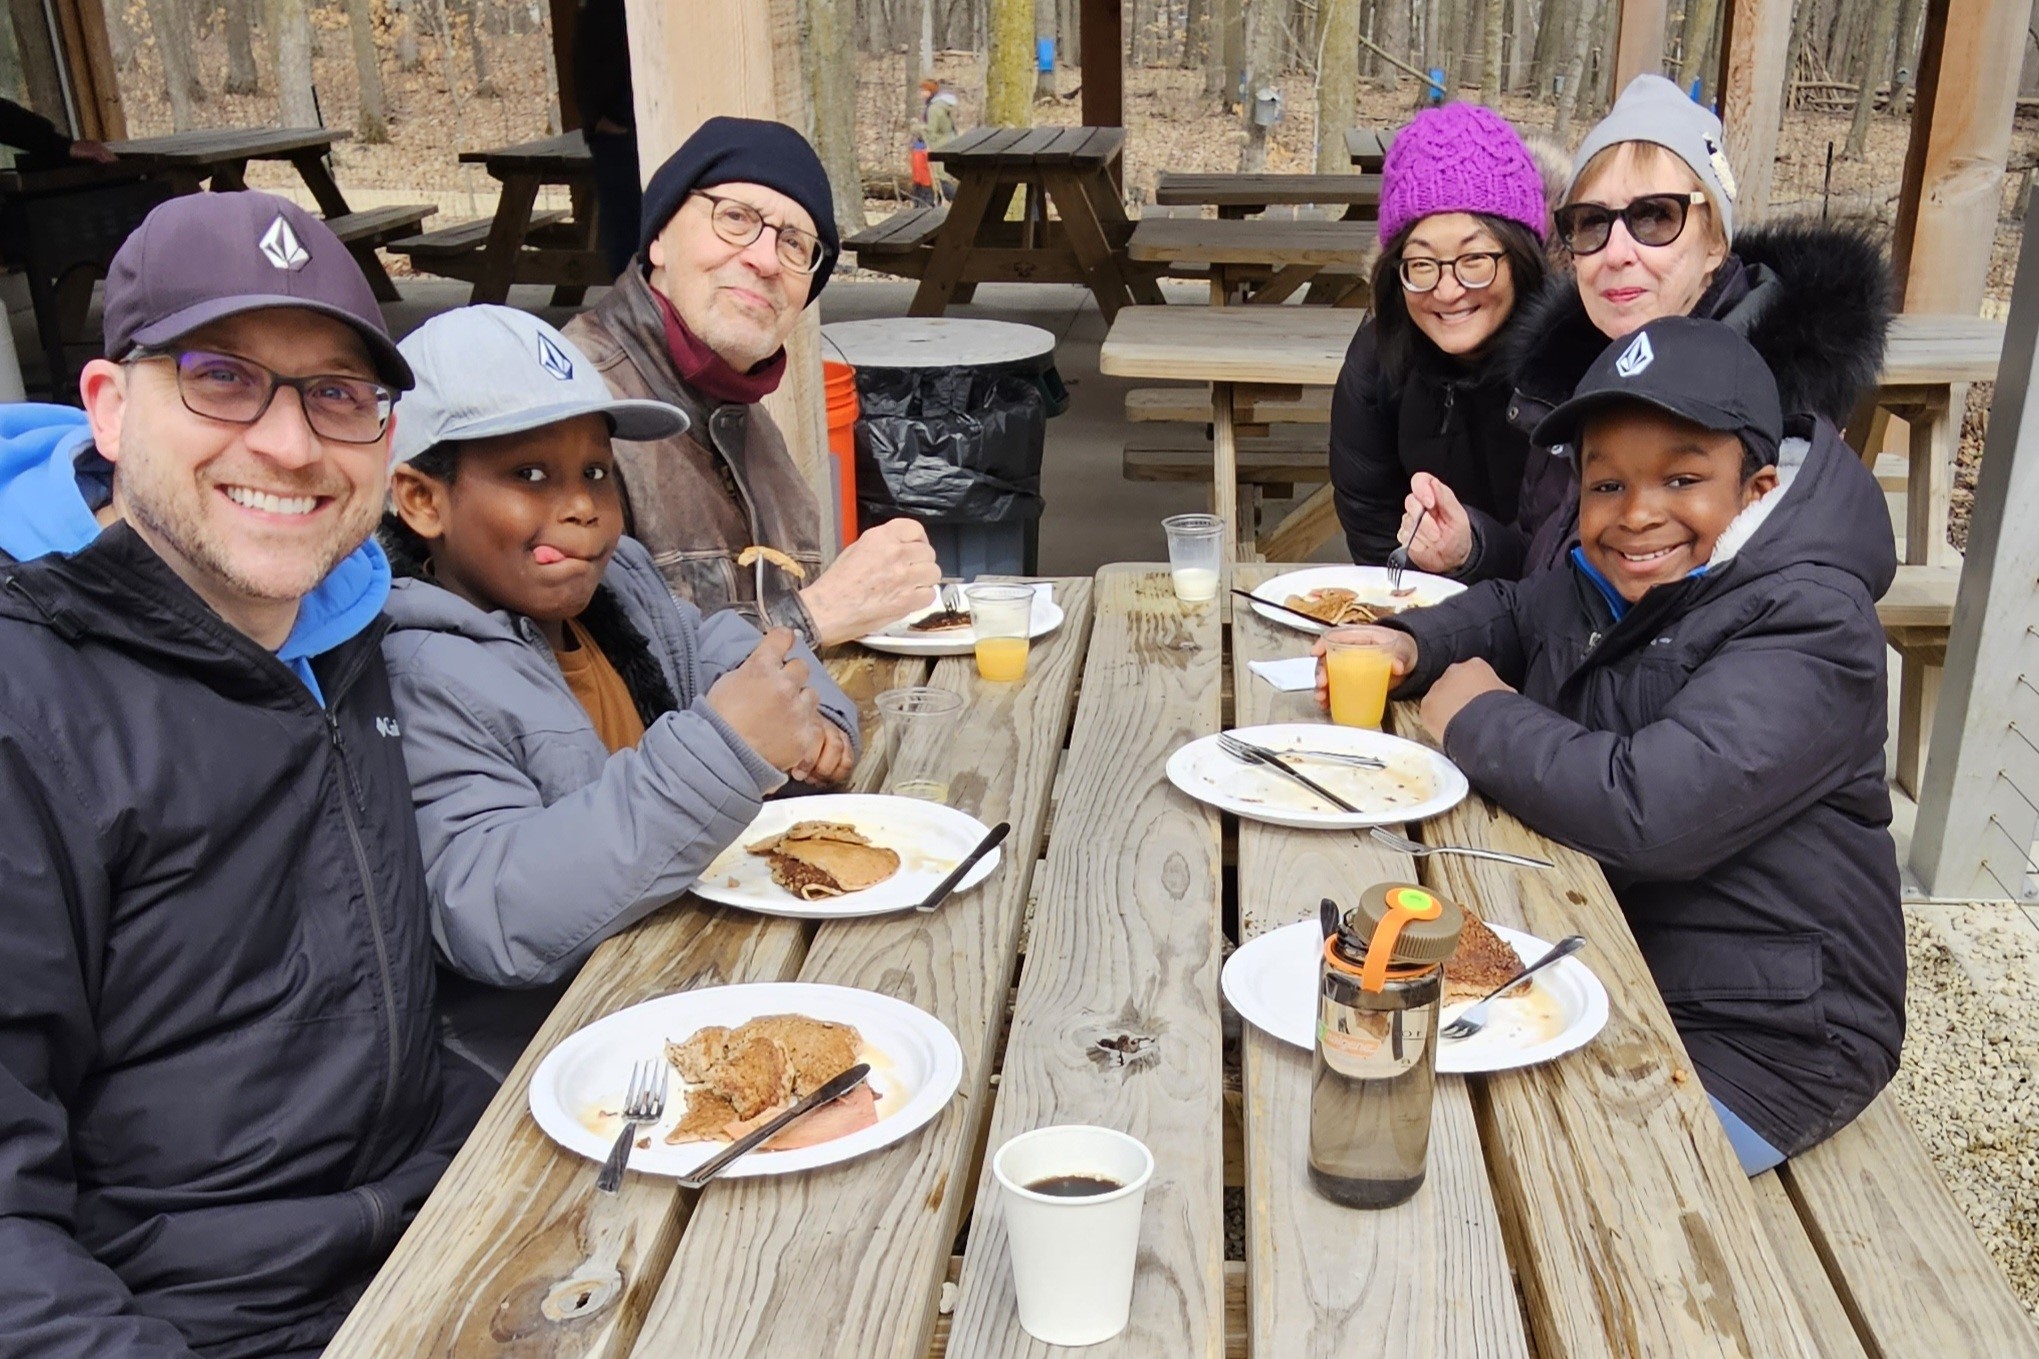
x=1718, y=747
x=221, y=1085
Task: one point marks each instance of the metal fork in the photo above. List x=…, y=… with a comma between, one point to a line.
x=1398, y=560
x=1247, y=753
x=1418, y=849
x=1475, y=1018
x=644, y=1102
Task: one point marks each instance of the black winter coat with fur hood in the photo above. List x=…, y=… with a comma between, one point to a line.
x=1814, y=298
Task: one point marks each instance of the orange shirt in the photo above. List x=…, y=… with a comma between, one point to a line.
x=601, y=690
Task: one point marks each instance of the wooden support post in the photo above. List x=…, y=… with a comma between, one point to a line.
x=1961, y=138
x=1104, y=56
x=1755, y=39
x=688, y=62
x=1976, y=820
x=565, y=21
x=1638, y=41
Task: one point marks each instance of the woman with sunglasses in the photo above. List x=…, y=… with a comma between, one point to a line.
x=1649, y=225
x=1423, y=396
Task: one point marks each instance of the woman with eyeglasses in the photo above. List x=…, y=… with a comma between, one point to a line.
x=1648, y=223
x=1423, y=397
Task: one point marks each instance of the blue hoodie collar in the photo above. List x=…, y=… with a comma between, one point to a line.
x=1615, y=603
x=339, y=607
x=42, y=509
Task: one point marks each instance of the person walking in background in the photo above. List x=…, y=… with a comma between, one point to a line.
x=602, y=92
x=938, y=128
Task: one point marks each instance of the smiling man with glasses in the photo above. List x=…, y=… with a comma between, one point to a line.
x=738, y=238
x=222, y=1083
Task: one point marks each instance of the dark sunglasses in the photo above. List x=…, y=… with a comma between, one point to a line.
x=237, y=391
x=1653, y=219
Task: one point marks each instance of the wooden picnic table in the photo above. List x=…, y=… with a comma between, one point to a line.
x=522, y=244
x=1601, y=1183
x=1076, y=171
x=1368, y=147
x=1265, y=261
x=1242, y=195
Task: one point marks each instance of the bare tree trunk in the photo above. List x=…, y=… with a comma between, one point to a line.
x=240, y=50
x=831, y=48
x=1907, y=52
x=1008, y=82
x=1553, y=26
x=1263, y=46
x=1228, y=51
x=1337, y=82
x=917, y=67
x=290, y=29
x=1692, y=39
x=484, y=83
x=1794, y=52
x=1450, y=36
x=1044, y=27
x=374, y=122
x=1876, y=59
x=1578, y=46
x=1196, y=35
x=173, y=49
x=1490, y=79
x=1392, y=33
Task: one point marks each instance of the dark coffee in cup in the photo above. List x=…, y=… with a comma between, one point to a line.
x=1075, y=1186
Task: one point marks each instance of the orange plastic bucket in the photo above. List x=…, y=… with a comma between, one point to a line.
x=839, y=382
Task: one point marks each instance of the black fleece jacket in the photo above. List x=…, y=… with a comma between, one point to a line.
x=1442, y=417
x=1719, y=749
x=1814, y=298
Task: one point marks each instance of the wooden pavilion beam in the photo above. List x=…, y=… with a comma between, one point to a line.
x=1101, y=31
x=87, y=54
x=1755, y=39
x=1967, y=91
x=1639, y=40
x=565, y=22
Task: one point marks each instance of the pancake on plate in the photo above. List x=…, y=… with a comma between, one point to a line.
x=1338, y=607
x=740, y=1078
x=1481, y=962
x=815, y=860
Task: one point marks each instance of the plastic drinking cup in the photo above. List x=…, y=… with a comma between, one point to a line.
x=918, y=722
x=1360, y=677
x=1001, y=617
x=1073, y=1253
x=1196, y=549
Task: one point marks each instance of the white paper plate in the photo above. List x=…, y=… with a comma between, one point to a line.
x=963, y=641
x=1272, y=983
x=1209, y=775
x=916, y=1065
x=931, y=839
x=1371, y=583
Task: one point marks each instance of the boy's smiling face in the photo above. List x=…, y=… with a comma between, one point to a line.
x=528, y=522
x=1656, y=493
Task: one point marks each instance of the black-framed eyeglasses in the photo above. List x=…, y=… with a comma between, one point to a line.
x=1653, y=219
x=345, y=409
x=738, y=223
x=1474, y=270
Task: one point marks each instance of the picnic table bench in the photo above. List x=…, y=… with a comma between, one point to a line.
x=1243, y=195
x=218, y=158
x=984, y=237
x=1266, y=262
x=521, y=243
x=1601, y=1184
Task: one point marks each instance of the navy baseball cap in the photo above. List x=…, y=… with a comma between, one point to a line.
x=206, y=256
x=1700, y=371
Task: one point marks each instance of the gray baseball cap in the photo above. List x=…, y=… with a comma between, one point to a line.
x=1652, y=109
x=484, y=371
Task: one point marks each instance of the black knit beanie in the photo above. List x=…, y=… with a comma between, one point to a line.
x=748, y=151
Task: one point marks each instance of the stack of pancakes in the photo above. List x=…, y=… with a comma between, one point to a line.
x=818, y=859
x=741, y=1077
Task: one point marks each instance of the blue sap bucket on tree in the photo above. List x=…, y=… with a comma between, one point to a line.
x=1434, y=90
x=1044, y=55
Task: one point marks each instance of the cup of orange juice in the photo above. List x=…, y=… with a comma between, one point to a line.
x=1360, y=677
x=1002, y=618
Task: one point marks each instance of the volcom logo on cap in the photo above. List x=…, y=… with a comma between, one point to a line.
x=282, y=248
x=1636, y=357
x=555, y=360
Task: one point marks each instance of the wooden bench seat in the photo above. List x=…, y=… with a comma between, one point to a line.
x=463, y=236
x=901, y=233
x=1921, y=598
x=1192, y=405
x=376, y=226
x=1266, y=464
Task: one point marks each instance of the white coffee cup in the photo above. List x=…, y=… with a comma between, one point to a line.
x=1072, y=1257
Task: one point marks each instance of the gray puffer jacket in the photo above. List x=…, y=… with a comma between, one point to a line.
x=538, y=843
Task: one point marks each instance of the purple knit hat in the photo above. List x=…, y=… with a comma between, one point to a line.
x=1460, y=158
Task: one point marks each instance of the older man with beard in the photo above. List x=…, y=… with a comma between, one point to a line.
x=738, y=237
x=222, y=1091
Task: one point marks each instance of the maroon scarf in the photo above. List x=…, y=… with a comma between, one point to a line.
x=707, y=372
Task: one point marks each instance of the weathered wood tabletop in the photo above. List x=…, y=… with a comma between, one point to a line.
x=1277, y=257
x=1241, y=195
x=521, y=244
x=1589, y=1207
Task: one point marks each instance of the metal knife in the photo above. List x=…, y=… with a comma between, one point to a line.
x=834, y=1090
x=956, y=875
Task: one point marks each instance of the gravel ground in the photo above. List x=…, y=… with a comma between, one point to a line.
x=1968, y=1078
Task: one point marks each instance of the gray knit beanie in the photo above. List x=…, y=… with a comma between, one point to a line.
x=1652, y=109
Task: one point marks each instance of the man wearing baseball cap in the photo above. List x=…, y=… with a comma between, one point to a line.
x=220, y=1069
x=1695, y=697
x=738, y=237
x=580, y=743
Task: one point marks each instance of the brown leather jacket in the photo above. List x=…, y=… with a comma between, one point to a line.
x=698, y=499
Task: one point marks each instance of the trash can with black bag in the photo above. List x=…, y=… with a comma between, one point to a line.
x=951, y=431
